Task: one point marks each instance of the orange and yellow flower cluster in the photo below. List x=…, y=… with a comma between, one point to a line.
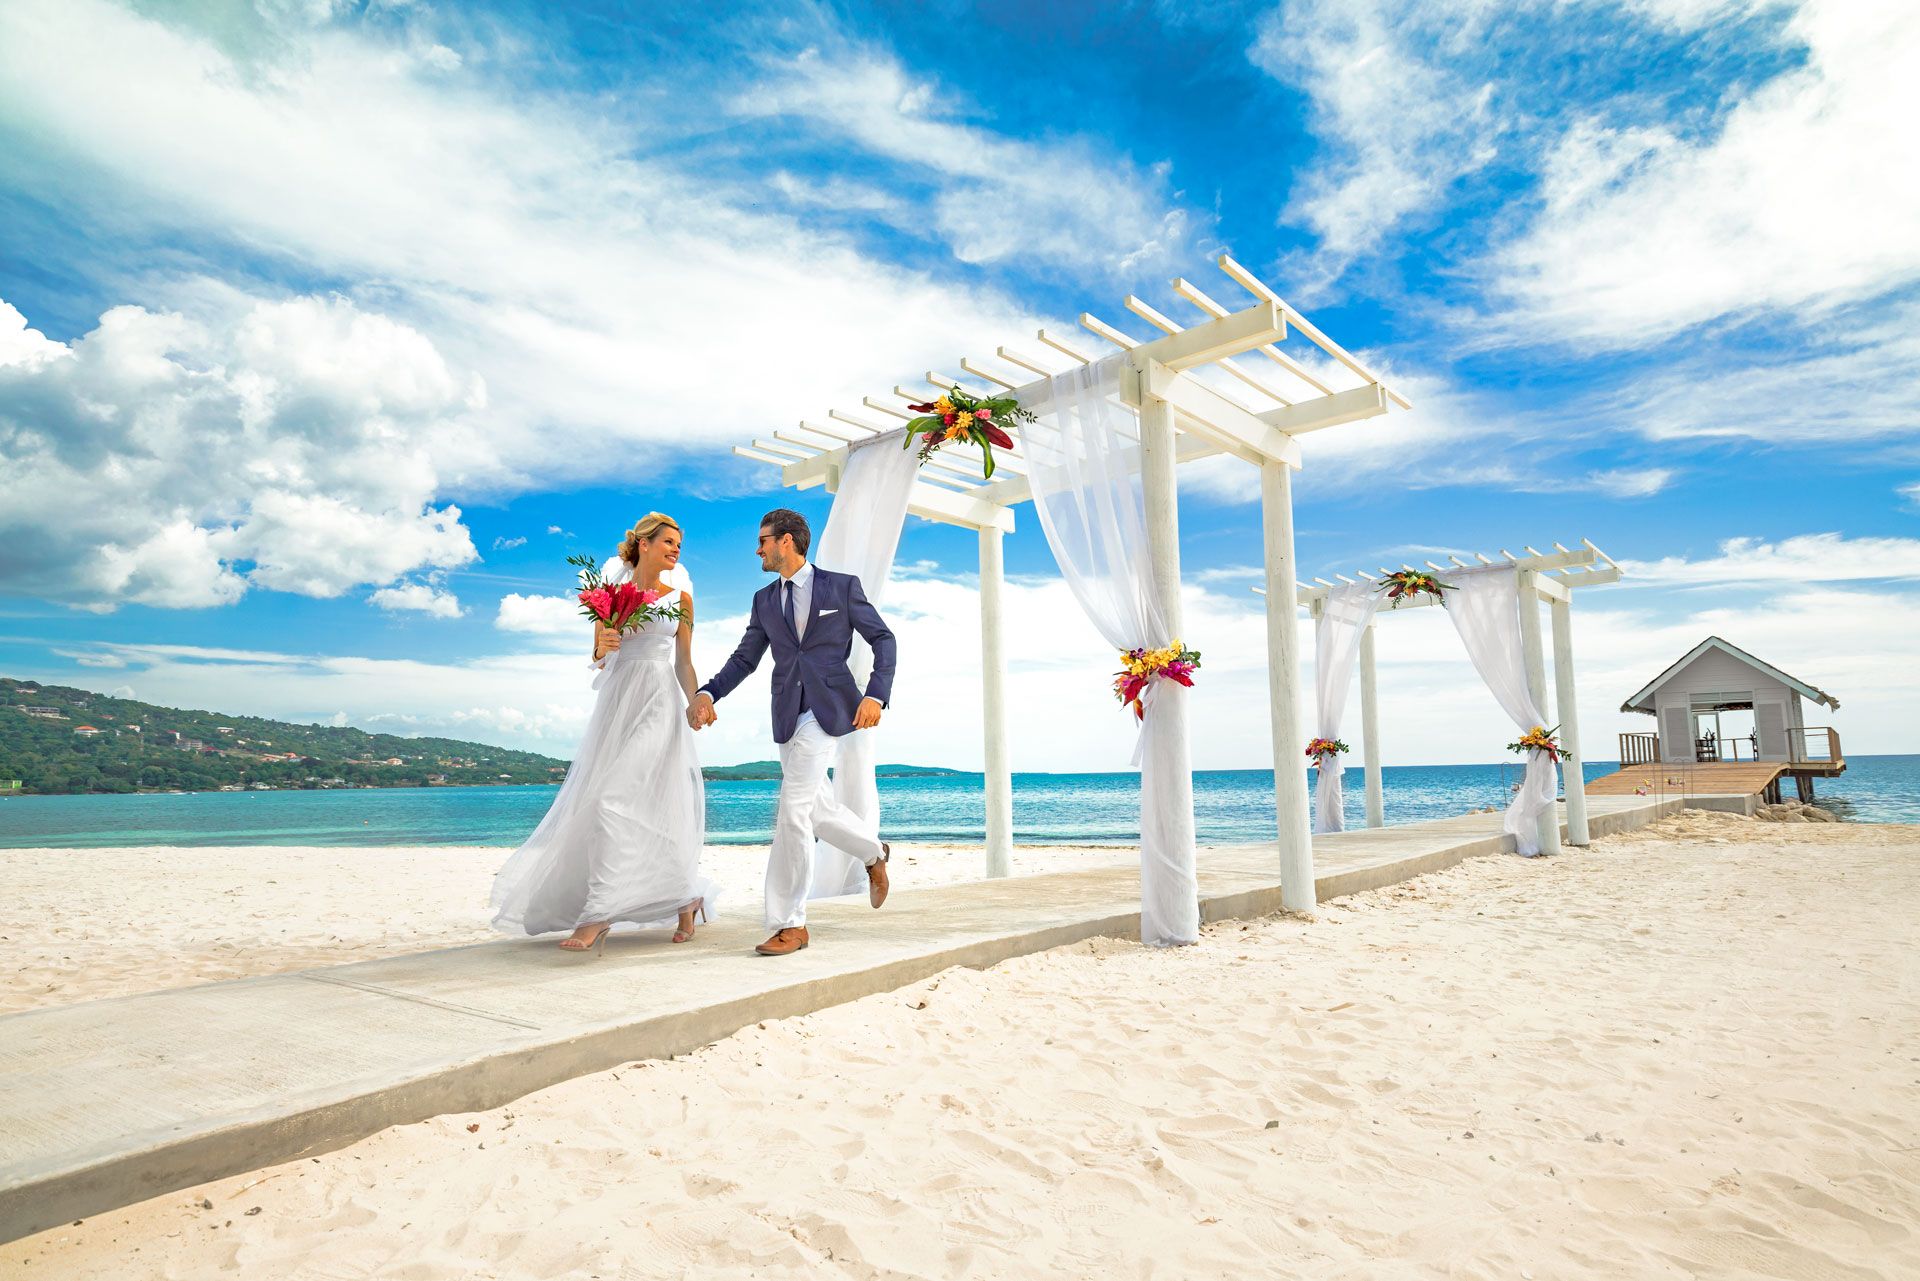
x=1141, y=667
x=1540, y=739
x=959, y=417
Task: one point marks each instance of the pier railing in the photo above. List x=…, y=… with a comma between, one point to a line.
x=1814, y=743
x=1639, y=749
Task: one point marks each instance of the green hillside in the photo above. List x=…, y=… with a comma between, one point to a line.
x=54, y=739
x=135, y=746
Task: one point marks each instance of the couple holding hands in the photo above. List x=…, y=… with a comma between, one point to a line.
x=621, y=843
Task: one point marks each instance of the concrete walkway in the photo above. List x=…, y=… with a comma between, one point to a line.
x=106, y=1103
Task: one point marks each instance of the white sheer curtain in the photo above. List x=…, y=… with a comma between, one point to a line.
x=1345, y=614
x=1083, y=461
x=861, y=537
x=1485, y=609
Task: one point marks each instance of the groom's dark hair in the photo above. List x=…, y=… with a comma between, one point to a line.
x=782, y=520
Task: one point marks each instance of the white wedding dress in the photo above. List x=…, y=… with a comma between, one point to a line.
x=622, y=840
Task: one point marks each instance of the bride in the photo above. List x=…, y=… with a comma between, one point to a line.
x=622, y=840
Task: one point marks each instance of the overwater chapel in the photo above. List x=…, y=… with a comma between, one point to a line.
x=1694, y=702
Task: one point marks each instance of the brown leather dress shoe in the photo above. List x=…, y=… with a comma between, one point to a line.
x=877, y=884
x=784, y=942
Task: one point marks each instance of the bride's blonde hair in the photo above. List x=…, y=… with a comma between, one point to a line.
x=649, y=525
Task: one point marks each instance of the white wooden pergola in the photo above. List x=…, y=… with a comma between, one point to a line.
x=1197, y=396
x=1543, y=576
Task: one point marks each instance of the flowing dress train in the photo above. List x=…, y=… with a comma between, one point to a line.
x=623, y=838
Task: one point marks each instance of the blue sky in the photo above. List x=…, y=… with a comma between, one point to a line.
x=328, y=329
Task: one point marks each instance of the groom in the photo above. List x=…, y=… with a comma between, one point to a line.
x=808, y=617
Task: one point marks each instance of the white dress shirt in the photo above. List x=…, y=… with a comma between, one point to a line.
x=802, y=581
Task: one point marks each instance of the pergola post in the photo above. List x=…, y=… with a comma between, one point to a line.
x=1160, y=496
x=1573, y=767
x=993, y=696
x=1536, y=661
x=1283, y=691
x=1370, y=732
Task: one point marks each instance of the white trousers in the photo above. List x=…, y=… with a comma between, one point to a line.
x=809, y=811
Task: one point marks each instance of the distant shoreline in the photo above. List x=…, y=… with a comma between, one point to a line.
x=756, y=772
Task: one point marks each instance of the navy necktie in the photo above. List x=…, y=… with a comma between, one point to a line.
x=787, y=609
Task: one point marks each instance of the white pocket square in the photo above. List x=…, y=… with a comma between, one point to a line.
x=825, y=612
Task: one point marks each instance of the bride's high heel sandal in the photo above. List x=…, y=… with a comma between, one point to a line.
x=684, y=934
x=583, y=945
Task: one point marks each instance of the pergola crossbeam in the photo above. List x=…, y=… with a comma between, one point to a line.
x=832, y=433
x=1554, y=567
x=987, y=375
x=1341, y=407
x=1204, y=343
x=1161, y=322
x=889, y=410
x=1259, y=289
x=1186, y=289
x=1063, y=347
x=841, y=416
x=1227, y=425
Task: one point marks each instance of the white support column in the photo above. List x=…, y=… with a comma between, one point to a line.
x=993, y=694
x=1160, y=495
x=1370, y=732
x=1535, y=652
x=1573, y=767
x=1283, y=692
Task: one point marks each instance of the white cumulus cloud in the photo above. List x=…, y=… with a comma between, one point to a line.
x=550, y=616
x=1801, y=198
x=1804, y=558
x=1402, y=123
x=287, y=444
x=1066, y=201
x=422, y=598
x=1631, y=482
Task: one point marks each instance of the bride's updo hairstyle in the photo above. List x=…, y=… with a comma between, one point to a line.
x=650, y=525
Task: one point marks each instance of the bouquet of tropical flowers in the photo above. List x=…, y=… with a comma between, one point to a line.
x=959, y=416
x=622, y=606
x=1407, y=583
x=1540, y=739
x=1323, y=747
x=1140, y=668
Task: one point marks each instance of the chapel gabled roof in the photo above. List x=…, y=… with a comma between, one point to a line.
x=1643, y=701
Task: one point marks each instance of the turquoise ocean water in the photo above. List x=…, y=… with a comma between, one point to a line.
x=1229, y=806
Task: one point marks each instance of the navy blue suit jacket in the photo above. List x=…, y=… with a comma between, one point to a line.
x=818, y=664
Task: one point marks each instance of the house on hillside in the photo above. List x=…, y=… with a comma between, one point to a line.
x=87, y=731
x=1691, y=701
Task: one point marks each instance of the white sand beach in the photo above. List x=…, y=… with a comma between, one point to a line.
x=1685, y=1052
x=82, y=924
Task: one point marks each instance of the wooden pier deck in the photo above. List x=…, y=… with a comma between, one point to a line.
x=1718, y=778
